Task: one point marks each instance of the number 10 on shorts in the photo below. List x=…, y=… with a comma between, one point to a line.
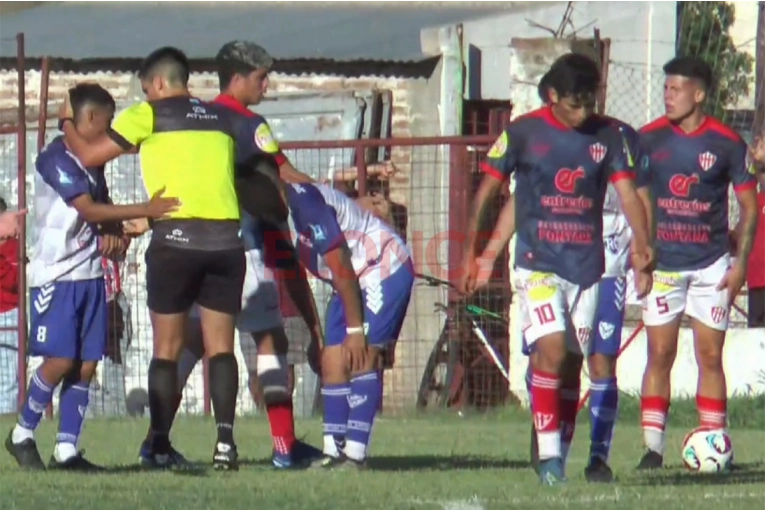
x=544, y=314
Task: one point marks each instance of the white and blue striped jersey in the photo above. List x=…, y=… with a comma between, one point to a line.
x=65, y=246
x=325, y=217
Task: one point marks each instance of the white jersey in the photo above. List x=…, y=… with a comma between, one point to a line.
x=616, y=236
x=66, y=246
x=324, y=216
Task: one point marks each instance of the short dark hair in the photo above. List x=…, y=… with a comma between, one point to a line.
x=573, y=75
x=694, y=68
x=168, y=62
x=242, y=58
x=543, y=89
x=89, y=94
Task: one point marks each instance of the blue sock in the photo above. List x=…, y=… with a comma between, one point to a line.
x=39, y=396
x=604, y=401
x=73, y=403
x=336, y=409
x=366, y=394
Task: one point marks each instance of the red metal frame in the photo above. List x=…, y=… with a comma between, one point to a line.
x=21, y=147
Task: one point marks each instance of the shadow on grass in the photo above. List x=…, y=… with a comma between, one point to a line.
x=442, y=463
x=193, y=470
x=740, y=474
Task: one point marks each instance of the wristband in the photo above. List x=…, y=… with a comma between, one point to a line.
x=354, y=331
x=61, y=122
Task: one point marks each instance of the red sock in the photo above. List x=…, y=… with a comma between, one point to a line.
x=282, y=426
x=712, y=412
x=653, y=420
x=569, y=405
x=546, y=411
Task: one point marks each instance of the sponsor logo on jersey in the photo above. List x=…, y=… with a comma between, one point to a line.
x=264, y=139
x=500, y=146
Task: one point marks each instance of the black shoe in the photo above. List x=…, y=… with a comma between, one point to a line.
x=25, y=453
x=597, y=471
x=76, y=463
x=651, y=460
x=225, y=457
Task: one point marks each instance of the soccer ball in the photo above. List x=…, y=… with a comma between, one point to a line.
x=707, y=450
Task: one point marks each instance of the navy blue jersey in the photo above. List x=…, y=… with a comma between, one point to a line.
x=689, y=175
x=561, y=178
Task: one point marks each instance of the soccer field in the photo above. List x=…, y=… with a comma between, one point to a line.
x=435, y=462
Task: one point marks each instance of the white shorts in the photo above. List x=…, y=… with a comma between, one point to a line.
x=693, y=292
x=260, y=298
x=549, y=304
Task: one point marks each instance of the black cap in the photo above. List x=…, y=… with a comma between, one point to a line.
x=245, y=53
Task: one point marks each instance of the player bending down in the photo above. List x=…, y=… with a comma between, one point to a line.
x=66, y=279
x=371, y=272
x=609, y=321
x=563, y=157
x=688, y=161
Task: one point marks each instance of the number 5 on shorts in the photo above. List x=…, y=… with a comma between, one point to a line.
x=662, y=306
x=545, y=314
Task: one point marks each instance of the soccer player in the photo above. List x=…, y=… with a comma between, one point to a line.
x=688, y=161
x=563, y=156
x=609, y=321
x=197, y=254
x=67, y=294
x=371, y=272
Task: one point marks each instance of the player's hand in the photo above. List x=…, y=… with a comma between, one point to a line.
x=65, y=108
x=485, y=268
x=10, y=223
x=467, y=274
x=160, y=206
x=355, y=347
x=112, y=246
x=136, y=228
x=757, y=150
x=643, y=283
x=733, y=281
x=642, y=258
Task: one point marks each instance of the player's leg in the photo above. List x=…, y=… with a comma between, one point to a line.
x=543, y=309
x=90, y=299
x=604, y=392
x=173, y=279
x=708, y=309
x=570, y=391
x=54, y=332
x=385, y=306
x=220, y=300
x=662, y=312
x=192, y=353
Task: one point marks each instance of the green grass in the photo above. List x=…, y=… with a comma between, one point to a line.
x=426, y=463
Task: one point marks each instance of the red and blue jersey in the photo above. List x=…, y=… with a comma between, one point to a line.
x=689, y=175
x=561, y=179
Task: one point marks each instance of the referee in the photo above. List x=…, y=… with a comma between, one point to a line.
x=196, y=255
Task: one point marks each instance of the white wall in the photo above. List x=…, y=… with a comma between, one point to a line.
x=642, y=39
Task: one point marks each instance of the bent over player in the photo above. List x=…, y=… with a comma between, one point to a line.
x=370, y=270
x=66, y=279
x=688, y=161
x=196, y=255
x=563, y=158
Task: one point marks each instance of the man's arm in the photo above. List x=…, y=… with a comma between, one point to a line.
x=292, y=175
x=635, y=212
x=747, y=224
x=131, y=127
x=93, y=212
x=346, y=284
x=503, y=230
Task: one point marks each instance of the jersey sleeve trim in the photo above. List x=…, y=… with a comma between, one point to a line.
x=745, y=186
x=623, y=174
x=119, y=139
x=133, y=125
x=280, y=158
x=490, y=170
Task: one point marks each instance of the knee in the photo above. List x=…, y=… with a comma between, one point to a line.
x=571, y=370
x=601, y=366
x=333, y=367
x=87, y=371
x=661, y=355
x=710, y=360
x=551, y=353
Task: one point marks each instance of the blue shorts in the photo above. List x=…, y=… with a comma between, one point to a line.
x=609, y=320
x=68, y=320
x=384, y=310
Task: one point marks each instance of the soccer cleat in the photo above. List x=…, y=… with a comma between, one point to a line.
x=76, y=463
x=147, y=458
x=651, y=460
x=225, y=457
x=598, y=471
x=341, y=463
x=551, y=472
x=302, y=456
x=25, y=453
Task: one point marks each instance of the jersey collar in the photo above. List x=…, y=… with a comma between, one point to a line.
x=231, y=103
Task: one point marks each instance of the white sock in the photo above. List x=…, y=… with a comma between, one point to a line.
x=330, y=446
x=549, y=445
x=654, y=440
x=21, y=434
x=355, y=450
x=64, y=451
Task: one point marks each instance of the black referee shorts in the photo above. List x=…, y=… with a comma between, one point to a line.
x=178, y=274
